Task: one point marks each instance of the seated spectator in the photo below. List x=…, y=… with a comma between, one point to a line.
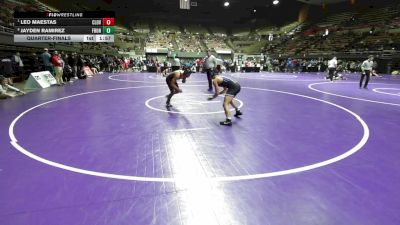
x=94, y=70
x=86, y=70
x=5, y=86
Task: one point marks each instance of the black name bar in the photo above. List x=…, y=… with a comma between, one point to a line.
x=58, y=22
x=58, y=30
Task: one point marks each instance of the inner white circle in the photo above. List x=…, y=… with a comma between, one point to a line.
x=112, y=77
x=147, y=103
x=377, y=90
x=356, y=148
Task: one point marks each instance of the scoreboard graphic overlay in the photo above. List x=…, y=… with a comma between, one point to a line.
x=64, y=26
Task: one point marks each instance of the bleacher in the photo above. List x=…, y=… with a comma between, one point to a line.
x=248, y=44
x=289, y=27
x=215, y=42
x=141, y=28
x=376, y=16
x=166, y=28
x=128, y=42
x=159, y=40
x=240, y=32
x=195, y=29
x=218, y=30
x=336, y=19
x=188, y=43
x=267, y=30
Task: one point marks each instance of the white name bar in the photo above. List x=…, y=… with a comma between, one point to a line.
x=63, y=38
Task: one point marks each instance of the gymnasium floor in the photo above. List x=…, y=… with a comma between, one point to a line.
x=107, y=151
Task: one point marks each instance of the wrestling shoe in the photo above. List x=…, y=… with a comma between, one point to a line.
x=238, y=113
x=226, y=123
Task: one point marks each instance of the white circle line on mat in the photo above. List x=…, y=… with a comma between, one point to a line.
x=311, y=86
x=351, y=151
x=377, y=90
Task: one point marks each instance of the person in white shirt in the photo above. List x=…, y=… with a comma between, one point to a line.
x=176, y=64
x=210, y=63
x=332, y=65
x=366, y=68
x=18, y=64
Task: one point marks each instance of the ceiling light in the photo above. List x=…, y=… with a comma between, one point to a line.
x=254, y=10
x=275, y=2
x=226, y=4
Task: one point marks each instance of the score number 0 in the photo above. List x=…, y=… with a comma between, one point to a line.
x=108, y=21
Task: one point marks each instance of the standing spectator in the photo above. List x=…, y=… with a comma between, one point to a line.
x=289, y=65
x=18, y=65
x=210, y=63
x=366, y=68
x=332, y=65
x=58, y=69
x=125, y=64
x=158, y=67
x=296, y=65
x=46, y=60
x=67, y=69
x=80, y=62
x=34, y=62
x=166, y=68
x=104, y=63
x=352, y=67
x=6, y=67
x=197, y=65
x=176, y=64
x=73, y=63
